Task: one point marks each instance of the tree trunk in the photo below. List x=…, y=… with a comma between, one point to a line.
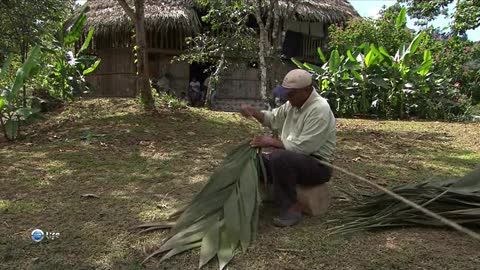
x=264, y=45
x=143, y=81
x=213, y=78
x=263, y=64
x=24, y=58
x=276, y=24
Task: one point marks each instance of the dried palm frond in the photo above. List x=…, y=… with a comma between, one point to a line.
x=223, y=216
x=455, y=199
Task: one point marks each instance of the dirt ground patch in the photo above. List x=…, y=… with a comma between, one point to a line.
x=141, y=166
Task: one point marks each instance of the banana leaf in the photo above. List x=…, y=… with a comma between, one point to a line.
x=457, y=199
x=222, y=217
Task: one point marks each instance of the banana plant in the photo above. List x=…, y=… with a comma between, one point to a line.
x=70, y=68
x=332, y=76
x=369, y=79
x=363, y=64
x=12, y=113
x=403, y=74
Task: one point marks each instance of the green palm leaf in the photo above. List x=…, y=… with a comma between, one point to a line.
x=222, y=216
x=210, y=245
x=179, y=250
x=226, y=250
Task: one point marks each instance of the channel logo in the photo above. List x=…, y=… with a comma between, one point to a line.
x=37, y=235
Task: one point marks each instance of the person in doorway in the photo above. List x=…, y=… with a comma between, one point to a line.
x=195, y=92
x=308, y=134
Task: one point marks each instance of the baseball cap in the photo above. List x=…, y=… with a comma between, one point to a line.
x=295, y=79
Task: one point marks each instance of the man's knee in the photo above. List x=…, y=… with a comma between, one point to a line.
x=281, y=157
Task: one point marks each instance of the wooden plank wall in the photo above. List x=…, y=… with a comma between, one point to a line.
x=239, y=83
x=115, y=76
x=244, y=82
x=178, y=73
x=180, y=77
x=242, y=86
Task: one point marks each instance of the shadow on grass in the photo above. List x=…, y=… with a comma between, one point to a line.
x=143, y=165
x=406, y=154
x=139, y=165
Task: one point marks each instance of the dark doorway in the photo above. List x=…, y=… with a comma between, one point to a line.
x=198, y=71
x=293, y=45
x=197, y=92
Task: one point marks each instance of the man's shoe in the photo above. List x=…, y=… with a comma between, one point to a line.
x=287, y=219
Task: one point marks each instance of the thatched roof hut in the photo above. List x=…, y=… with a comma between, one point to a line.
x=169, y=22
x=161, y=16
x=109, y=16
x=109, y=19
x=325, y=11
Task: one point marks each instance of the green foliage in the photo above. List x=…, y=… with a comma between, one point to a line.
x=457, y=59
x=68, y=69
x=29, y=22
x=12, y=112
x=388, y=32
x=371, y=81
x=223, y=216
x=401, y=20
x=227, y=36
x=6, y=67
x=365, y=75
x=464, y=16
x=26, y=24
x=170, y=101
x=58, y=69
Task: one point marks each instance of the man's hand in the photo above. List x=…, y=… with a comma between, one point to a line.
x=247, y=110
x=266, y=141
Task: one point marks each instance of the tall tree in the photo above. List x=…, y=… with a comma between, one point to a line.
x=465, y=15
x=137, y=16
x=229, y=34
x=377, y=31
x=226, y=36
x=271, y=33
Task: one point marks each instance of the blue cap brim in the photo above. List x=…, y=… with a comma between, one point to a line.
x=281, y=91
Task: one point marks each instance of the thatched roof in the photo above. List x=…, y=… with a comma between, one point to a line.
x=328, y=11
x=180, y=17
x=108, y=16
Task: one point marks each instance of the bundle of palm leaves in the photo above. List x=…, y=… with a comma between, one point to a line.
x=457, y=199
x=223, y=216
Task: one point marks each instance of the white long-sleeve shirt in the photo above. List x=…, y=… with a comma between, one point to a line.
x=309, y=130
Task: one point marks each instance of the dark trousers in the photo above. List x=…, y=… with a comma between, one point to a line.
x=286, y=169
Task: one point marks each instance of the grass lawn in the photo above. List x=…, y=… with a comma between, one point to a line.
x=141, y=166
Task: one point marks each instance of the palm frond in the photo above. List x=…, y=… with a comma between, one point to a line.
x=222, y=216
x=455, y=199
